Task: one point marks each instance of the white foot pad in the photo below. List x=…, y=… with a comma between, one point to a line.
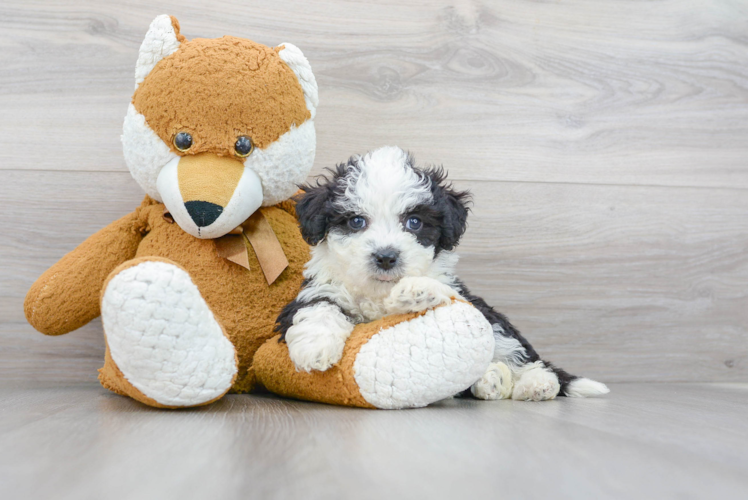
x=496, y=383
x=536, y=383
x=426, y=359
x=164, y=338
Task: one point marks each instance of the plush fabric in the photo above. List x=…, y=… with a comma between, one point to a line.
x=161, y=40
x=217, y=90
x=163, y=337
x=205, y=96
x=145, y=153
x=241, y=299
x=400, y=361
x=292, y=56
x=183, y=324
x=53, y=306
x=432, y=356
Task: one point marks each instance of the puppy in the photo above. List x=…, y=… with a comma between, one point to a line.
x=383, y=233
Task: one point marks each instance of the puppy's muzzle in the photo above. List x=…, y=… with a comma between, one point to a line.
x=386, y=258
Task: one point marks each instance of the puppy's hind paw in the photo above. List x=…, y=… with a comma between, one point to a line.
x=415, y=294
x=496, y=383
x=536, y=383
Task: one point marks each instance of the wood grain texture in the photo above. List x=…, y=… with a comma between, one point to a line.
x=623, y=283
x=606, y=145
x=642, y=441
x=574, y=91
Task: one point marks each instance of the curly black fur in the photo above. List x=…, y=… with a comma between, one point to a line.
x=444, y=218
x=314, y=208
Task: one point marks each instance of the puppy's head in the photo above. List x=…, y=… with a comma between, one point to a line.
x=379, y=218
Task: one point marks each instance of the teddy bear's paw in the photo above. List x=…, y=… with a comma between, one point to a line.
x=317, y=337
x=536, y=383
x=496, y=383
x=163, y=336
x=415, y=294
x=425, y=359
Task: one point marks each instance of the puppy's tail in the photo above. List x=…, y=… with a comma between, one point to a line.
x=577, y=387
x=584, y=388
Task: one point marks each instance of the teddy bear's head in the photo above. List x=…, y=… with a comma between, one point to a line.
x=218, y=127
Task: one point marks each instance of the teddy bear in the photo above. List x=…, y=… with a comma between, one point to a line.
x=219, y=134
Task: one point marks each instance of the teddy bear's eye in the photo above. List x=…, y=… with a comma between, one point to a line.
x=183, y=141
x=243, y=146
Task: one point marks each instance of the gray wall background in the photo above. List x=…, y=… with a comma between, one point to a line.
x=605, y=142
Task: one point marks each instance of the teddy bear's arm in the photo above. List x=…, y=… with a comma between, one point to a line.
x=66, y=296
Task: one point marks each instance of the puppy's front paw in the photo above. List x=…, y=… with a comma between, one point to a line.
x=317, y=337
x=317, y=352
x=416, y=294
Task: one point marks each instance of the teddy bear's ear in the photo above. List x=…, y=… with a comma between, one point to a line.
x=292, y=56
x=163, y=39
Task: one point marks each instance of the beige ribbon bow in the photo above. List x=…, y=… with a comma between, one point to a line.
x=257, y=233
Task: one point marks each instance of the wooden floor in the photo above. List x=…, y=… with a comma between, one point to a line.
x=642, y=441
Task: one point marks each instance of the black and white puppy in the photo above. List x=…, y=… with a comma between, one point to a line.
x=383, y=233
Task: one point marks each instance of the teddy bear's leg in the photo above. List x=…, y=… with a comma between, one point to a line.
x=401, y=361
x=164, y=346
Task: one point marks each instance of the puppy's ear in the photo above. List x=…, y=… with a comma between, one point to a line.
x=452, y=204
x=312, y=209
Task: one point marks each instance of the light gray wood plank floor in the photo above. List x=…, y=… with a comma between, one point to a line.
x=642, y=441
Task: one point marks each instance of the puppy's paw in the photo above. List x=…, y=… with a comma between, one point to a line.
x=536, y=383
x=496, y=383
x=317, y=337
x=415, y=294
x=319, y=352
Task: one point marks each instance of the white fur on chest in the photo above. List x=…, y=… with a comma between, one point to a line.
x=361, y=298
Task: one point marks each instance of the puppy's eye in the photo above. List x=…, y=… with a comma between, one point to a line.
x=413, y=223
x=357, y=223
x=243, y=146
x=183, y=141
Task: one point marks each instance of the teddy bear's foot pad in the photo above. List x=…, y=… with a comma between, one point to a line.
x=164, y=338
x=429, y=358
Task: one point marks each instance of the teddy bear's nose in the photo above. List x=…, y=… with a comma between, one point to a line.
x=203, y=213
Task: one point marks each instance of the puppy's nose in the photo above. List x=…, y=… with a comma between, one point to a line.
x=387, y=258
x=203, y=213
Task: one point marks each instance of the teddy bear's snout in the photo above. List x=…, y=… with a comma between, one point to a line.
x=203, y=213
x=207, y=195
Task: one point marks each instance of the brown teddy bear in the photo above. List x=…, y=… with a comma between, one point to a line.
x=219, y=134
